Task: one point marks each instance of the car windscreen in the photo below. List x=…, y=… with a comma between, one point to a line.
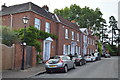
x=73, y=58
x=53, y=61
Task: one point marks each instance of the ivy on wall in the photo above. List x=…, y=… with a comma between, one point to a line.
x=31, y=35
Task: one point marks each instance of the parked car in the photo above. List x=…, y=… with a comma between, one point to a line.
x=90, y=58
x=79, y=60
x=59, y=63
x=107, y=55
x=97, y=56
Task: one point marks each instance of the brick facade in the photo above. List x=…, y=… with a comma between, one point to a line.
x=14, y=20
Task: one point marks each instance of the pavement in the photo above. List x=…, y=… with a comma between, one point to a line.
x=27, y=73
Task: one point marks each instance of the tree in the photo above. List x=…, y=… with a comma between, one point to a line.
x=113, y=26
x=84, y=17
x=9, y=36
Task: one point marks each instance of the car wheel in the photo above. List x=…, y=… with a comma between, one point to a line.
x=74, y=66
x=48, y=71
x=65, y=69
x=80, y=63
x=92, y=60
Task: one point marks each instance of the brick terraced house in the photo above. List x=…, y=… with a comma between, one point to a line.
x=71, y=38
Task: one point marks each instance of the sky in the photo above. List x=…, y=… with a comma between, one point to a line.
x=107, y=7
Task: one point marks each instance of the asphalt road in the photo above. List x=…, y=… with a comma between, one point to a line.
x=105, y=68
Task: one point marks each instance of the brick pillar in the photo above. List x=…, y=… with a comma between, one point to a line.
x=18, y=56
x=34, y=53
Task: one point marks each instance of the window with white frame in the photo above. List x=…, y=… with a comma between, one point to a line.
x=47, y=27
x=77, y=36
x=93, y=42
x=37, y=23
x=77, y=50
x=66, y=33
x=73, y=34
x=66, y=49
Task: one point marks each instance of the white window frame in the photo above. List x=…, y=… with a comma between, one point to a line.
x=66, y=49
x=37, y=23
x=78, y=37
x=47, y=27
x=73, y=35
x=77, y=50
x=66, y=33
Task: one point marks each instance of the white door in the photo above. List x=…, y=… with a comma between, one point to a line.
x=46, y=54
x=72, y=49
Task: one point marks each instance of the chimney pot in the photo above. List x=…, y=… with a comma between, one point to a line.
x=46, y=8
x=3, y=6
x=73, y=21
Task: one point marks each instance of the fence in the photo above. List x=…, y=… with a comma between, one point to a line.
x=7, y=57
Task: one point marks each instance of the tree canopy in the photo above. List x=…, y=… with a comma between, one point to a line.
x=8, y=36
x=84, y=17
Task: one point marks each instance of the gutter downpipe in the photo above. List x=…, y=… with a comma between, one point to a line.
x=11, y=21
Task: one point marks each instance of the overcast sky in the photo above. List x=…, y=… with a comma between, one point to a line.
x=107, y=7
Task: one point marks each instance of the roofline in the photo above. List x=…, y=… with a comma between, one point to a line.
x=28, y=11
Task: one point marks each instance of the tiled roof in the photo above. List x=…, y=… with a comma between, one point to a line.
x=28, y=7
x=68, y=23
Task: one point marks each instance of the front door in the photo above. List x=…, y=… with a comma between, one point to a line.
x=47, y=47
x=72, y=49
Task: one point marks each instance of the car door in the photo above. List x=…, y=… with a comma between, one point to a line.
x=66, y=61
x=70, y=62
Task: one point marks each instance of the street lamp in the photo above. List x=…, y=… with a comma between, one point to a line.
x=25, y=21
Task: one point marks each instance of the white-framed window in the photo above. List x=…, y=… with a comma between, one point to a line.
x=47, y=27
x=93, y=42
x=77, y=50
x=66, y=33
x=66, y=49
x=37, y=23
x=73, y=35
x=77, y=36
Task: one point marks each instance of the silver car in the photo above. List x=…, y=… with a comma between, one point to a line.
x=59, y=63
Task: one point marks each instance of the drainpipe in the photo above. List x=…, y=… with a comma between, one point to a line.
x=11, y=21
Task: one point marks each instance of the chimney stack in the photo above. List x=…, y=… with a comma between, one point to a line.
x=46, y=8
x=73, y=21
x=3, y=6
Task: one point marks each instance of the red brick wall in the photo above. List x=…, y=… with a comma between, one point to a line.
x=18, y=56
x=34, y=56
x=62, y=40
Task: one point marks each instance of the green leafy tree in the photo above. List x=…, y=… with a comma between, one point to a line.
x=99, y=47
x=9, y=36
x=30, y=36
x=113, y=28
x=84, y=17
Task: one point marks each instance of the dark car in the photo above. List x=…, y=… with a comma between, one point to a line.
x=79, y=60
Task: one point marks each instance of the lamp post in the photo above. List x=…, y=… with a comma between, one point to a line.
x=25, y=21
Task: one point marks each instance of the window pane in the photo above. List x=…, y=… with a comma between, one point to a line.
x=72, y=35
x=47, y=27
x=37, y=23
x=66, y=33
